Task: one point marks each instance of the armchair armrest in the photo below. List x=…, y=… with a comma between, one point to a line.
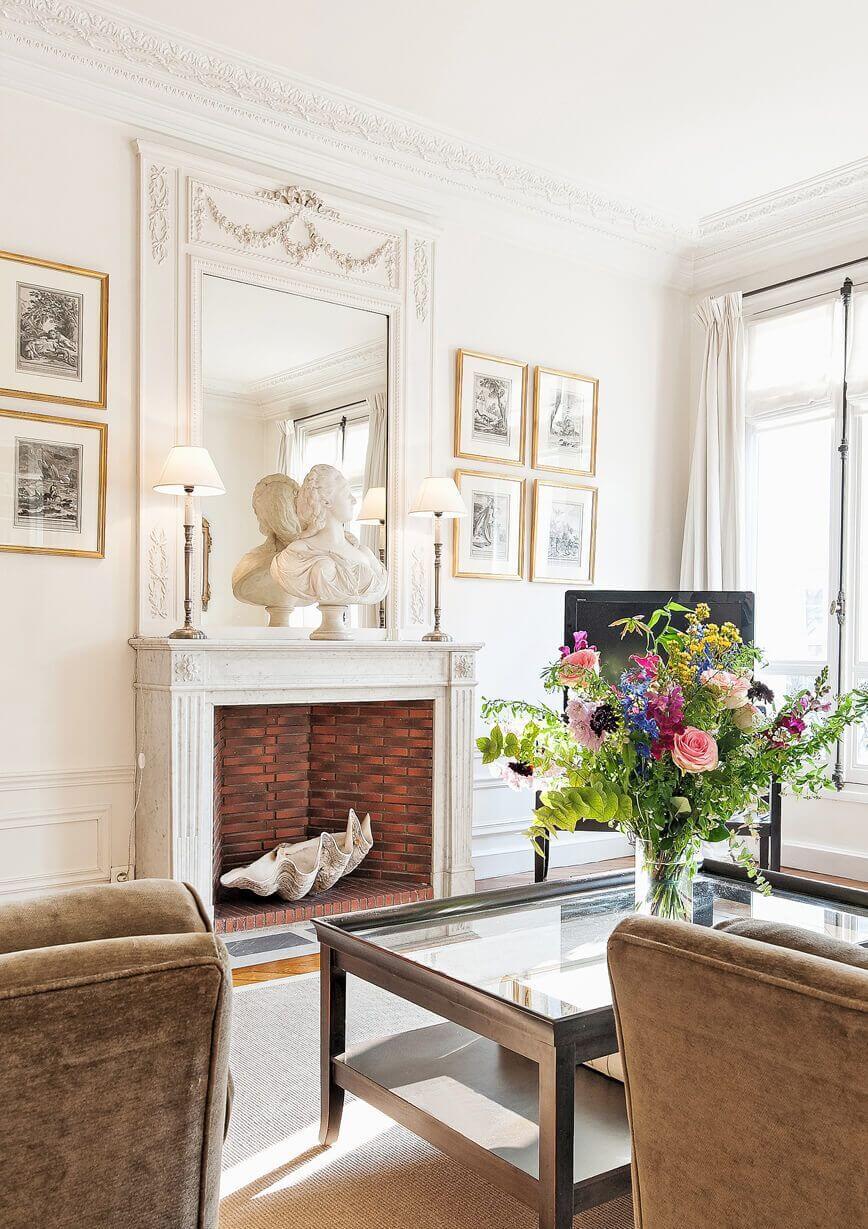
x=104, y=911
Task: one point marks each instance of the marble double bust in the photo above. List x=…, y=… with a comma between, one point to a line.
x=308, y=555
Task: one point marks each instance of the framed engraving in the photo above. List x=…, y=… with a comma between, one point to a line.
x=489, y=542
x=490, y=396
x=564, y=421
x=52, y=485
x=56, y=318
x=563, y=533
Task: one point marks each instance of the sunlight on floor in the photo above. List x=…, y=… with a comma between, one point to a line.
x=360, y=1125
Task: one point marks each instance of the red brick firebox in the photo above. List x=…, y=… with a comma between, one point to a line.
x=286, y=772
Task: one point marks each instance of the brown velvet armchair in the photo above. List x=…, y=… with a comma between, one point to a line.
x=746, y=1072
x=114, y=1034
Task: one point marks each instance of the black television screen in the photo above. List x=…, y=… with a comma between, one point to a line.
x=594, y=611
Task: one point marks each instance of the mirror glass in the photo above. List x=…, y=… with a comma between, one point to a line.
x=288, y=382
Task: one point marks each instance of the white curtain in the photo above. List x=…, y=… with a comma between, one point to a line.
x=713, y=555
x=374, y=475
x=288, y=460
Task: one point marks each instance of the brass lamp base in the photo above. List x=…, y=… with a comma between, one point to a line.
x=187, y=633
x=436, y=635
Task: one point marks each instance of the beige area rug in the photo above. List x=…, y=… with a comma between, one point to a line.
x=377, y=1176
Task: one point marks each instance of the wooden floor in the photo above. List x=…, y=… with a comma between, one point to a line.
x=292, y=967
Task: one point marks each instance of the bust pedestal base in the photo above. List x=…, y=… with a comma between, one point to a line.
x=335, y=624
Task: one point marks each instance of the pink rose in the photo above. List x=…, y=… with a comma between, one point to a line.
x=732, y=687
x=575, y=664
x=694, y=750
x=743, y=718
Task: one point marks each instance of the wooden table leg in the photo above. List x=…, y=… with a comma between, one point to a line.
x=557, y=1080
x=333, y=1041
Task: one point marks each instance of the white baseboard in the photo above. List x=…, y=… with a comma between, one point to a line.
x=825, y=859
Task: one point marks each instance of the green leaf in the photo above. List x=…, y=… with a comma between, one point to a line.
x=680, y=805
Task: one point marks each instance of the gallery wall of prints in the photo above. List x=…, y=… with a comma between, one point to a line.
x=52, y=466
x=490, y=425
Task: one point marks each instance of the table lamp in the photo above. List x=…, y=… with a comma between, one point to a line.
x=189, y=472
x=438, y=497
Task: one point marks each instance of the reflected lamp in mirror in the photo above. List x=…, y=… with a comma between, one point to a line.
x=373, y=512
x=373, y=509
x=189, y=472
x=438, y=497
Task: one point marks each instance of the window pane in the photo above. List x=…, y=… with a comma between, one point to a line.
x=860, y=553
x=792, y=539
x=791, y=355
x=321, y=447
x=355, y=448
x=860, y=734
x=784, y=685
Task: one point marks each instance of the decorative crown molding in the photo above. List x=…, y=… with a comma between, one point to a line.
x=100, y=57
x=164, y=63
x=354, y=364
x=794, y=223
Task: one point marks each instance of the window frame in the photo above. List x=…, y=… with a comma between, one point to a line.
x=845, y=542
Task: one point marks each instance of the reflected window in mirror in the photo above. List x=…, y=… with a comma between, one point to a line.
x=289, y=382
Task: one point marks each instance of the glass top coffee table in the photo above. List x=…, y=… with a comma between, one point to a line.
x=519, y=980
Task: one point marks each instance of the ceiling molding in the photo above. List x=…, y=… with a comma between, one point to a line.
x=195, y=74
x=352, y=367
x=793, y=224
x=121, y=67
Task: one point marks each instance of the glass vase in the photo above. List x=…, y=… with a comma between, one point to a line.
x=664, y=881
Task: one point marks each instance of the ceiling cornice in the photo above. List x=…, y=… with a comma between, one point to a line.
x=351, y=367
x=159, y=60
x=792, y=224
x=105, y=60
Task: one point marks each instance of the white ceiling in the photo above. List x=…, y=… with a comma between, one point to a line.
x=251, y=332
x=680, y=105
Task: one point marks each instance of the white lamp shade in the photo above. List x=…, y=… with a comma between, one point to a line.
x=190, y=467
x=373, y=509
x=438, y=495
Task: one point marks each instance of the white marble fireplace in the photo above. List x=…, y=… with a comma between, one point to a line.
x=179, y=683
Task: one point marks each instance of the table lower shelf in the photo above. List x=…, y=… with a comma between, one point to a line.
x=479, y=1102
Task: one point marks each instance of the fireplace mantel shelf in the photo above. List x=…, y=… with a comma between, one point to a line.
x=265, y=642
x=180, y=682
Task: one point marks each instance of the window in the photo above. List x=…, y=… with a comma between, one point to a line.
x=805, y=543
x=339, y=439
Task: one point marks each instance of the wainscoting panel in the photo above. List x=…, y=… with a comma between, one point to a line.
x=60, y=829
x=500, y=818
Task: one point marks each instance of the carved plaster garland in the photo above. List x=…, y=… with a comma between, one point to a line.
x=418, y=585
x=158, y=213
x=158, y=573
x=421, y=274
x=304, y=206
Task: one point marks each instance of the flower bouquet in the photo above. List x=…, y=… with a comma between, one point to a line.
x=686, y=739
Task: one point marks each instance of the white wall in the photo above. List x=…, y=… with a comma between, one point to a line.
x=534, y=306
x=66, y=707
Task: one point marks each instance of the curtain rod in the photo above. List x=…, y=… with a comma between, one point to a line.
x=804, y=277
x=335, y=410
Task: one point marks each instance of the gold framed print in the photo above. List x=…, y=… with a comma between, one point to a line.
x=490, y=401
x=563, y=533
x=52, y=485
x=565, y=421
x=56, y=317
x=488, y=543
